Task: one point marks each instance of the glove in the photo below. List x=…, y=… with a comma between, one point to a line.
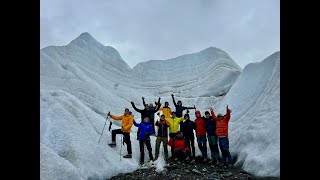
x=172, y=95
x=132, y=102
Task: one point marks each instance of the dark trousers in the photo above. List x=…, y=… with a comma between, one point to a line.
x=191, y=143
x=147, y=143
x=126, y=138
x=213, y=144
x=202, y=143
x=172, y=135
x=181, y=154
x=224, y=147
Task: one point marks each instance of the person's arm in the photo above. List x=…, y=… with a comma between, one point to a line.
x=174, y=102
x=194, y=107
x=136, y=124
x=167, y=123
x=228, y=114
x=158, y=107
x=129, y=125
x=116, y=117
x=134, y=107
x=213, y=115
x=180, y=119
x=144, y=103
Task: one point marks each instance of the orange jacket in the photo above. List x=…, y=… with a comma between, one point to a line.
x=127, y=121
x=166, y=111
x=222, y=126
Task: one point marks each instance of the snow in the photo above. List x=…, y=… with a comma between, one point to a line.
x=82, y=81
x=254, y=128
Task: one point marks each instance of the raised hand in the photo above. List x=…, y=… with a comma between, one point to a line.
x=142, y=97
x=194, y=106
x=132, y=102
x=211, y=109
x=172, y=95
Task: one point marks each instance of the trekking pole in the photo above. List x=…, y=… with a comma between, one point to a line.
x=121, y=147
x=103, y=129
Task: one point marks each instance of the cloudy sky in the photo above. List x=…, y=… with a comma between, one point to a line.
x=141, y=30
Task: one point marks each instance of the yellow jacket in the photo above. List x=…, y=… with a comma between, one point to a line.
x=166, y=111
x=174, y=124
x=127, y=121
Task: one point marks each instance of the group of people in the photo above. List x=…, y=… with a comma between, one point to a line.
x=213, y=129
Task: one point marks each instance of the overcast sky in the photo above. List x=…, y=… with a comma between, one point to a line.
x=141, y=30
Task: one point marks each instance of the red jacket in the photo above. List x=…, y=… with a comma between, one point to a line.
x=200, y=127
x=181, y=144
x=222, y=126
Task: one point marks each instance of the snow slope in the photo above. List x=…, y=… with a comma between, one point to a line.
x=254, y=129
x=82, y=81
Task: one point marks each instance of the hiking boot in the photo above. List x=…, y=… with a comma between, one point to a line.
x=113, y=144
x=128, y=156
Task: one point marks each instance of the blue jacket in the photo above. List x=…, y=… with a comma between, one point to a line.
x=145, y=130
x=210, y=126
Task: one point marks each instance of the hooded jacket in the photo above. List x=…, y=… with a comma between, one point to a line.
x=145, y=130
x=222, y=126
x=200, y=125
x=127, y=120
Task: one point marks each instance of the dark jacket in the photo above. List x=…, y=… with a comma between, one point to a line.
x=187, y=128
x=150, y=109
x=163, y=128
x=145, y=112
x=210, y=126
x=180, y=109
x=145, y=130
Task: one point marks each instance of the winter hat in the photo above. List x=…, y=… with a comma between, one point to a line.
x=198, y=112
x=207, y=112
x=219, y=115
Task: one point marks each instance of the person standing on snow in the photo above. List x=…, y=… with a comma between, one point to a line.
x=126, y=125
x=144, y=138
x=162, y=136
x=201, y=134
x=222, y=134
x=150, y=108
x=145, y=112
x=179, y=107
x=187, y=128
x=212, y=137
x=173, y=127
